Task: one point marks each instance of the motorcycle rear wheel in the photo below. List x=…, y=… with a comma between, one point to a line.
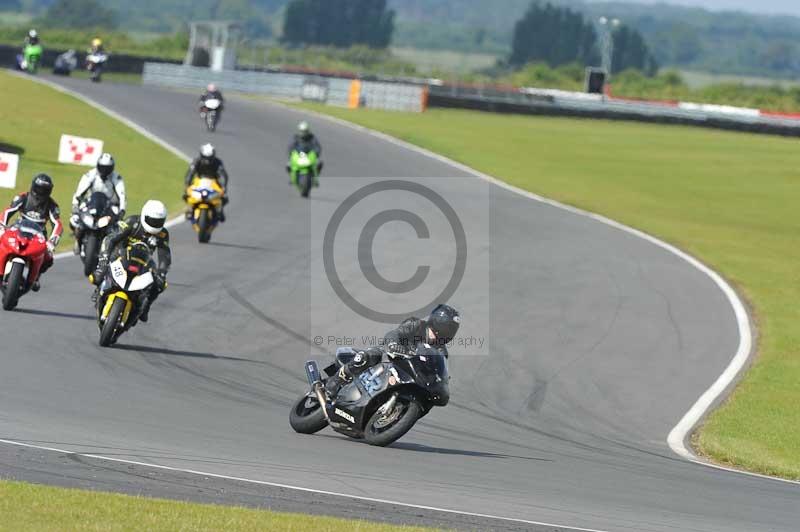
x=110, y=326
x=13, y=286
x=305, y=418
x=381, y=436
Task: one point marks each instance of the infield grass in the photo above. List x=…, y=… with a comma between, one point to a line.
x=29, y=507
x=731, y=199
x=33, y=120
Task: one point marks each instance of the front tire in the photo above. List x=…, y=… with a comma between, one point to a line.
x=13, y=286
x=307, y=416
x=376, y=433
x=204, y=226
x=110, y=326
x=306, y=182
x=90, y=252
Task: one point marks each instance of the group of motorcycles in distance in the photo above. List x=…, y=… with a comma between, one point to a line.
x=31, y=58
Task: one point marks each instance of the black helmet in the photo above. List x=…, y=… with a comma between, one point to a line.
x=444, y=321
x=41, y=187
x=105, y=165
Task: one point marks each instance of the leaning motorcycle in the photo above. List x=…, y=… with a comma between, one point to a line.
x=204, y=197
x=30, y=58
x=210, y=113
x=96, y=64
x=96, y=215
x=23, y=248
x=126, y=284
x=303, y=170
x=381, y=404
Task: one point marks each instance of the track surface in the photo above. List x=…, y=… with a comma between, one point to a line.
x=602, y=342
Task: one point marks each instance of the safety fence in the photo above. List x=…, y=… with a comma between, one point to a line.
x=129, y=64
x=332, y=91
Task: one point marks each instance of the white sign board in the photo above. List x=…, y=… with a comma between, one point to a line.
x=9, y=163
x=78, y=150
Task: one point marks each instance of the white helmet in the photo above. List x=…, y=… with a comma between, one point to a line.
x=211, y=87
x=105, y=165
x=154, y=216
x=33, y=34
x=207, y=150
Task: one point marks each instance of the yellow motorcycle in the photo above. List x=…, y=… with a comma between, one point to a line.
x=205, y=199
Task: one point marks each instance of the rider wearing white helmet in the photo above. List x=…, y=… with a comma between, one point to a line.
x=304, y=140
x=148, y=227
x=208, y=165
x=212, y=93
x=103, y=178
x=32, y=38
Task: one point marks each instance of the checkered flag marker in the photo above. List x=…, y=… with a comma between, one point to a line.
x=79, y=150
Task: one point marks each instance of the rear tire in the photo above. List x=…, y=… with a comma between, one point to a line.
x=211, y=121
x=13, y=286
x=109, y=327
x=305, y=418
x=382, y=437
x=90, y=252
x=204, y=226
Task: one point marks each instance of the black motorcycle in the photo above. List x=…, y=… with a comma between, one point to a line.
x=96, y=216
x=381, y=404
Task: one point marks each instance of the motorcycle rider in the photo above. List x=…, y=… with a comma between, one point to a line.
x=103, y=178
x=38, y=206
x=437, y=330
x=148, y=228
x=207, y=165
x=212, y=93
x=305, y=141
x=32, y=38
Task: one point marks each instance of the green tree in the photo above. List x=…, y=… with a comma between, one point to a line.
x=554, y=35
x=9, y=5
x=631, y=52
x=79, y=14
x=340, y=23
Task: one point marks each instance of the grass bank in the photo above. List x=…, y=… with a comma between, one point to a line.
x=729, y=198
x=29, y=507
x=32, y=123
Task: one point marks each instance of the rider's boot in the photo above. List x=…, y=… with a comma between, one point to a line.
x=145, y=315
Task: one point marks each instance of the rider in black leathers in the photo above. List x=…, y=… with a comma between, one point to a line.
x=304, y=140
x=437, y=330
x=212, y=93
x=207, y=164
x=142, y=228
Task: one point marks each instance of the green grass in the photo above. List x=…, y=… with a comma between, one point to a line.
x=29, y=507
x=34, y=118
x=731, y=199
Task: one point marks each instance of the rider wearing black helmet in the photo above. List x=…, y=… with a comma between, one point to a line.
x=437, y=330
x=37, y=206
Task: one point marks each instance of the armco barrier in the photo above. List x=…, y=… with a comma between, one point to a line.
x=333, y=91
x=129, y=64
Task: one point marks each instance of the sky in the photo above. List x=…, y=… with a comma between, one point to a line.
x=790, y=7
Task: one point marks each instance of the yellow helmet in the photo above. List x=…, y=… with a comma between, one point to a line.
x=97, y=42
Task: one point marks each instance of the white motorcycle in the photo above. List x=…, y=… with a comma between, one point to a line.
x=95, y=64
x=210, y=113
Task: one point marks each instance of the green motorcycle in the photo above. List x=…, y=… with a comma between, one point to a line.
x=31, y=57
x=303, y=169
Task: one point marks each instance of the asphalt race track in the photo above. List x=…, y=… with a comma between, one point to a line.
x=601, y=342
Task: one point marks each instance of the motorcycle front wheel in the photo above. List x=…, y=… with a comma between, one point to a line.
x=307, y=416
x=384, y=429
x=204, y=226
x=11, y=295
x=110, y=326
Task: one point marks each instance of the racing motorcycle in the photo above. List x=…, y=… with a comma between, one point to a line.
x=30, y=58
x=303, y=170
x=95, y=215
x=95, y=64
x=123, y=290
x=381, y=404
x=204, y=196
x=22, y=251
x=209, y=112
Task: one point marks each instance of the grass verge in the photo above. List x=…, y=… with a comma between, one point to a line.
x=35, y=117
x=729, y=198
x=29, y=507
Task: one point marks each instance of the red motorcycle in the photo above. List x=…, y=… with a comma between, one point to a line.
x=23, y=248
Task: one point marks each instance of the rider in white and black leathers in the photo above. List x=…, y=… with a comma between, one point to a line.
x=437, y=330
x=103, y=178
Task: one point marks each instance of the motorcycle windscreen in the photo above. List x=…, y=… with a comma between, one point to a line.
x=432, y=372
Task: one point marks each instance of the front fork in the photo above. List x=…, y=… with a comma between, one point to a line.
x=314, y=379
